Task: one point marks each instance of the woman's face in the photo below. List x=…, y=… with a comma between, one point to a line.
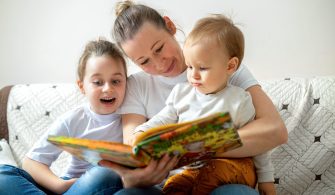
x=155, y=51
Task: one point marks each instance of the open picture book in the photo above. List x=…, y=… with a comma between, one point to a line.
x=195, y=140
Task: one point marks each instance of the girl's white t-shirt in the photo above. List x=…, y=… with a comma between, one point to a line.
x=81, y=122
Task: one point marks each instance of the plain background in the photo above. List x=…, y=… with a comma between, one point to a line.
x=41, y=40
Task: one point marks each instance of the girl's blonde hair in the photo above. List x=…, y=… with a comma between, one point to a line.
x=96, y=49
x=221, y=30
x=131, y=17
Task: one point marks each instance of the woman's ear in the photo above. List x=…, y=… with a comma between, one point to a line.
x=233, y=64
x=81, y=86
x=170, y=25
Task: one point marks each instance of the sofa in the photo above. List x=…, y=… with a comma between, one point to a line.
x=304, y=165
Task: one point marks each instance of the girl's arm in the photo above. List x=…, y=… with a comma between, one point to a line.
x=264, y=133
x=45, y=177
x=129, y=123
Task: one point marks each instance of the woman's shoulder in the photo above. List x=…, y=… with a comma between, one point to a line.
x=139, y=76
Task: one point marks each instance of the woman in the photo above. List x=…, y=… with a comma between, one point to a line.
x=148, y=40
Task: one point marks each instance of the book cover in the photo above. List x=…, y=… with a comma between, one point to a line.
x=193, y=141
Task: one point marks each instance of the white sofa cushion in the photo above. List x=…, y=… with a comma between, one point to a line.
x=6, y=156
x=306, y=164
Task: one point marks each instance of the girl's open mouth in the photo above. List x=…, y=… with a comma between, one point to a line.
x=107, y=100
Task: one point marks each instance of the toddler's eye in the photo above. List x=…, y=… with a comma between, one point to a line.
x=144, y=62
x=203, y=68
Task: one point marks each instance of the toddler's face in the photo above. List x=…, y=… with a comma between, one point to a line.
x=207, y=66
x=104, y=84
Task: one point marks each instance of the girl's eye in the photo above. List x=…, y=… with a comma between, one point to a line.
x=115, y=82
x=159, y=49
x=98, y=83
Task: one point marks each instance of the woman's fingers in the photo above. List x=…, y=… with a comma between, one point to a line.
x=153, y=174
x=116, y=167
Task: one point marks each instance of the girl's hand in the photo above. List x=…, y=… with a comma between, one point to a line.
x=154, y=173
x=64, y=185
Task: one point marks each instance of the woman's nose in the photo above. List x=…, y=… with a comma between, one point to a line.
x=160, y=64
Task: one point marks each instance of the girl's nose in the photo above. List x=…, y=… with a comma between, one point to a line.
x=107, y=87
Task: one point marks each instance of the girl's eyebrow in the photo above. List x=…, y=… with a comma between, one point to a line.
x=114, y=74
x=118, y=74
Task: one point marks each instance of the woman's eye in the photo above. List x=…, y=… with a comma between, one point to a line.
x=159, y=49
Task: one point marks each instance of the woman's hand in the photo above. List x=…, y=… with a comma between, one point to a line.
x=154, y=173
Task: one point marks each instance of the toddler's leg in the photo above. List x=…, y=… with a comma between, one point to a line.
x=181, y=183
x=218, y=172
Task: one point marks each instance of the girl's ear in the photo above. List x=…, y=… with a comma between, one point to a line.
x=170, y=25
x=232, y=65
x=81, y=86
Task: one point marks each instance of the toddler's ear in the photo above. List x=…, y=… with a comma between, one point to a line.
x=81, y=86
x=232, y=65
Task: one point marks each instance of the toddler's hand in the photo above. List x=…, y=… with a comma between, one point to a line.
x=267, y=188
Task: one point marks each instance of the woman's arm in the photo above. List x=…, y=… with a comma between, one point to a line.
x=264, y=133
x=45, y=177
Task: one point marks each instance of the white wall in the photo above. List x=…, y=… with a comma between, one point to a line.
x=41, y=40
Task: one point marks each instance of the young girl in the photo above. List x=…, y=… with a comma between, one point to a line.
x=102, y=79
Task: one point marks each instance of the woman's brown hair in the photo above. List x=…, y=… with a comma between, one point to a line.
x=131, y=17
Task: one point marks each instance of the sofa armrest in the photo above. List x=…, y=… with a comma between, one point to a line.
x=4, y=93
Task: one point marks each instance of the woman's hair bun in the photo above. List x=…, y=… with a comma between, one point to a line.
x=122, y=6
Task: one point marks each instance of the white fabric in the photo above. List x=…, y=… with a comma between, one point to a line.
x=306, y=163
x=185, y=103
x=81, y=122
x=146, y=94
x=6, y=156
